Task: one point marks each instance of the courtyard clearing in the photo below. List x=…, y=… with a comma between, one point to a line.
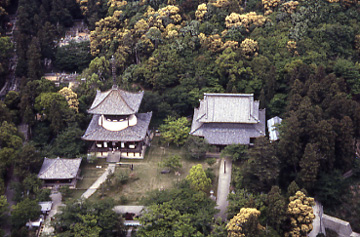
x=146, y=175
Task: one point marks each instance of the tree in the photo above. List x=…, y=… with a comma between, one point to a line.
x=98, y=70
x=4, y=207
x=5, y=49
x=175, y=130
x=309, y=165
x=180, y=202
x=276, y=212
x=71, y=98
x=24, y=211
x=55, y=109
x=4, y=113
x=28, y=160
x=196, y=147
x=34, y=59
x=248, y=20
x=249, y=48
x=263, y=165
x=12, y=100
x=88, y=218
x=245, y=223
x=10, y=142
x=292, y=188
x=237, y=152
x=301, y=214
x=87, y=226
x=73, y=57
x=68, y=143
x=164, y=220
x=197, y=178
x=172, y=162
x=242, y=198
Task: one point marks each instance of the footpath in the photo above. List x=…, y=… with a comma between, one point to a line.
x=98, y=182
x=223, y=187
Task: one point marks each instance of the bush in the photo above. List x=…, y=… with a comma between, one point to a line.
x=172, y=162
x=123, y=200
x=236, y=151
x=211, y=161
x=65, y=191
x=121, y=178
x=210, y=174
x=196, y=148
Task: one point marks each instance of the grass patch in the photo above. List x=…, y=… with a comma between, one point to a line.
x=89, y=174
x=147, y=176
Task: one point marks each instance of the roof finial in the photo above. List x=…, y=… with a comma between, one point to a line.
x=113, y=70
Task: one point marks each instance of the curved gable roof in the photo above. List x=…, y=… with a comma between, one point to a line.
x=116, y=102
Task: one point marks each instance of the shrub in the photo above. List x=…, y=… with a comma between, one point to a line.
x=211, y=161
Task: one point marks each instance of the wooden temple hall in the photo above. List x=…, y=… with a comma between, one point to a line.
x=60, y=171
x=117, y=130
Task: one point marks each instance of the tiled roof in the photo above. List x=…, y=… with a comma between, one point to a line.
x=95, y=132
x=224, y=119
x=229, y=133
x=116, y=102
x=59, y=168
x=228, y=108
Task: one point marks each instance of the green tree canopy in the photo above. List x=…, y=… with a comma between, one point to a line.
x=24, y=211
x=88, y=218
x=195, y=210
x=175, y=131
x=172, y=162
x=198, y=179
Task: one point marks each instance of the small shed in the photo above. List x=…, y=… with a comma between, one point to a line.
x=46, y=206
x=60, y=171
x=272, y=128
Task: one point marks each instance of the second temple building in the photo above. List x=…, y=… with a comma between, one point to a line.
x=116, y=129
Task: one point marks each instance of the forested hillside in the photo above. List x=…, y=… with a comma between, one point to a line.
x=299, y=58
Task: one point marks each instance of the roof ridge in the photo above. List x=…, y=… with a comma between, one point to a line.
x=101, y=100
x=64, y=164
x=44, y=171
x=119, y=91
x=192, y=132
x=230, y=94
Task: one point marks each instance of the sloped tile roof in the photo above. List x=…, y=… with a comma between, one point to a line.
x=95, y=132
x=116, y=102
x=228, y=108
x=224, y=119
x=59, y=168
x=229, y=133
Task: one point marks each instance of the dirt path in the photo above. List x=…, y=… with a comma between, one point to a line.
x=223, y=187
x=317, y=226
x=56, y=198
x=99, y=181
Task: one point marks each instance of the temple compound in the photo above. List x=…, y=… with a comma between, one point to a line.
x=117, y=130
x=226, y=118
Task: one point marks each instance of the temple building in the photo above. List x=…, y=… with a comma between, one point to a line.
x=60, y=171
x=117, y=130
x=226, y=118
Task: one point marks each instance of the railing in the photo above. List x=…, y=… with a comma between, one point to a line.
x=107, y=149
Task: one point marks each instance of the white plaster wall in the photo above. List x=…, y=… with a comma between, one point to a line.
x=117, y=125
x=132, y=120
